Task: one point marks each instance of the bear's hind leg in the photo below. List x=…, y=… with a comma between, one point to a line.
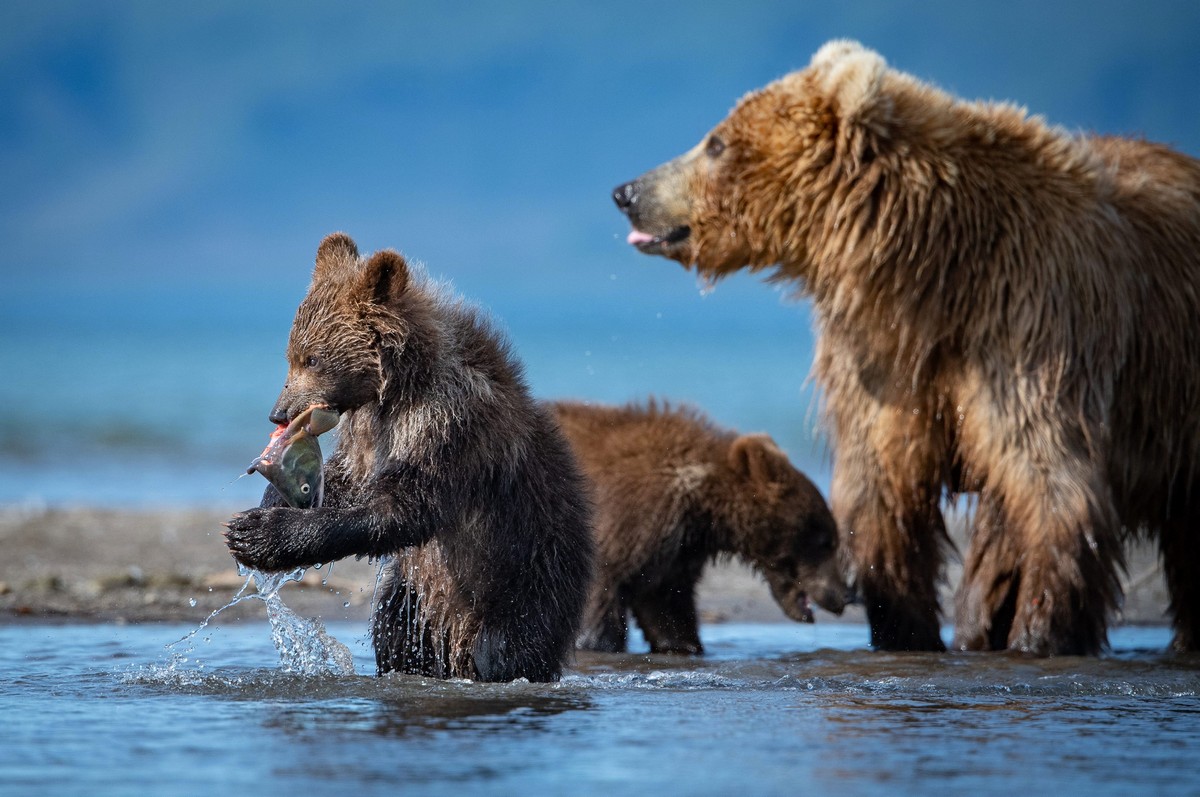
x=402, y=642
x=509, y=649
x=606, y=625
x=1179, y=546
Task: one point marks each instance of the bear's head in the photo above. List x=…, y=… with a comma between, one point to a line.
x=354, y=308
x=747, y=194
x=783, y=526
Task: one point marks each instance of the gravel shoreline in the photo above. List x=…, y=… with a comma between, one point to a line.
x=156, y=565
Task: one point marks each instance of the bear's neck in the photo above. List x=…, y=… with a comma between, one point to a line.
x=449, y=370
x=911, y=247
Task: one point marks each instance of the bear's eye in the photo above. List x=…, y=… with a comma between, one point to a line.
x=715, y=147
x=313, y=361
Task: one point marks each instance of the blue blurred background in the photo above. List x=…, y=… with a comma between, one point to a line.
x=168, y=170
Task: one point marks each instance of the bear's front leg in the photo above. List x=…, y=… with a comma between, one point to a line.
x=666, y=613
x=274, y=538
x=1071, y=554
x=986, y=597
x=282, y=538
x=1049, y=551
x=886, y=499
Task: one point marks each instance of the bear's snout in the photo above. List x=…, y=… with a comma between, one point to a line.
x=659, y=219
x=626, y=196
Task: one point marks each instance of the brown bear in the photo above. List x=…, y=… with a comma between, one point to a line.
x=673, y=491
x=1004, y=308
x=445, y=467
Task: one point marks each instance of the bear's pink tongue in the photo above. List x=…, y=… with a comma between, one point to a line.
x=638, y=237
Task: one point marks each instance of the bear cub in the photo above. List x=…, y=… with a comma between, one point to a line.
x=673, y=492
x=445, y=468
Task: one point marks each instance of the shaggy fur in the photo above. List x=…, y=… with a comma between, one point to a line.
x=1004, y=308
x=672, y=492
x=444, y=464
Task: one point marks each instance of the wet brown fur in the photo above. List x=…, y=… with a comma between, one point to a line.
x=445, y=466
x=1005, y=308
x=673, y=492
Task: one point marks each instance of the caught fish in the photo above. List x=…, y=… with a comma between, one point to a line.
x=292, y=460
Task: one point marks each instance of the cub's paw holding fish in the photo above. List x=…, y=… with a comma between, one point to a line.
x=278, y=535
x=269, y=539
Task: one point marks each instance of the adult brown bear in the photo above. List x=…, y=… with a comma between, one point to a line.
x=1004, y=308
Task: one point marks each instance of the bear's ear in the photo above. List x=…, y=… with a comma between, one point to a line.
x=851, y=77
x=384, y=277
x=335, y=253
x=757, y=458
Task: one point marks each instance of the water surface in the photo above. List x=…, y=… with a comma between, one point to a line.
x=773, y=709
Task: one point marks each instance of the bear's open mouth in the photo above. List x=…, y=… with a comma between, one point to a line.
x=654, y=244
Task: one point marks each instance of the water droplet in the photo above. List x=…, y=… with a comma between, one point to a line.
x=192, y=602
x=346, y=605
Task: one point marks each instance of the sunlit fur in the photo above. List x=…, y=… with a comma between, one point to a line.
x=673, y=491
x=1004, y=308
x=445, y=467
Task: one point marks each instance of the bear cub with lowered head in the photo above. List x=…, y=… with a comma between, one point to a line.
x=1005, y=308
x=672, y=492
x=445, y=465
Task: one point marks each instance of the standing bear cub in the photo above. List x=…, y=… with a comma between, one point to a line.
x=672, y=492
x=1004, y=308
x=445, y=467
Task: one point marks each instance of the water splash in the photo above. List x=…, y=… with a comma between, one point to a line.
x=304, y=646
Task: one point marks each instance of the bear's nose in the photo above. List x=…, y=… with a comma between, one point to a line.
x=625, y=195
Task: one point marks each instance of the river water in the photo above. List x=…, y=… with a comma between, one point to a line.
x=774, y=708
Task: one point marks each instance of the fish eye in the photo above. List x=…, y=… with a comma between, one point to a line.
x=305, y=489
x=714, y=147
